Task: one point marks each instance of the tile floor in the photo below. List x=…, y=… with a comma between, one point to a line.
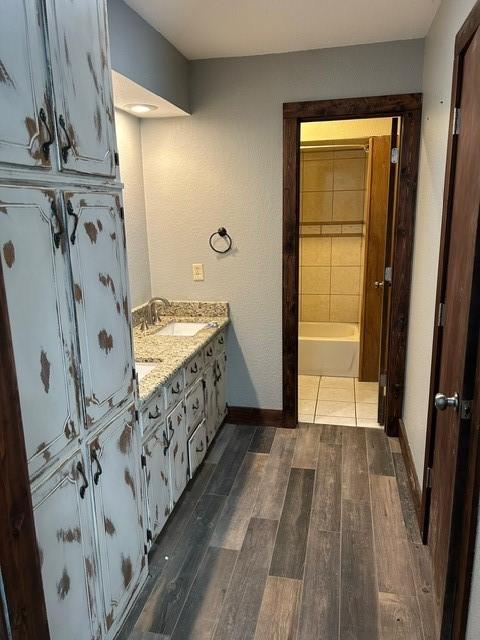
x=339, y=401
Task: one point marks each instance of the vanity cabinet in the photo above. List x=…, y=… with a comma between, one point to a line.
x=157, y=479
x=100, y=290
x=195, y=406
x=210, y=402
x=177, y=451
x=118, y=501
x=197, y=447
x=221, y=388
x=62, y=507
x=41, y=316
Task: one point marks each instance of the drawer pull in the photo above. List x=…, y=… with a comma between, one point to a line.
x=221, y=340
x=170, y=425
x=66, y=147
x=48, y=143
x=196, y=406
x=177, y=388
x=99, y=471
x=210, y=352
x=166, y=443
x=157, y=415
x=194, y=369
x=74, y=215
x=199, y=449
x=84, y=486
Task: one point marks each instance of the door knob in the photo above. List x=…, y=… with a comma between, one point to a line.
x=379, y=284
x=442, y=401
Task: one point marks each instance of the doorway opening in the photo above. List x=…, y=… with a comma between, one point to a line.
x=350, y=170
x=345, y=181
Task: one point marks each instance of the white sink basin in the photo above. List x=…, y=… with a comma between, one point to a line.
x=144, y=368
x=181, y=329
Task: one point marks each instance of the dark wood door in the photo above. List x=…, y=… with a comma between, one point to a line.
x=459, y=295
x=385, y=282
x=377, y=203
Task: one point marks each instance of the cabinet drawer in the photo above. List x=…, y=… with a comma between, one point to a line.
x=193, y=369
x=197, y=447
x=174, y=390
x=154, y=412
x=209, y=352
x=195, y=403
x=220, y=342
x=177, y=451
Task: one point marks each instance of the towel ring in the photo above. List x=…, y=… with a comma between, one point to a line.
x=222, y=232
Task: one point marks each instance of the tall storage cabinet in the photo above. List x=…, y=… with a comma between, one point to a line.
x=62, y=246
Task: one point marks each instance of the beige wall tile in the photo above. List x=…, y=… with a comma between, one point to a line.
x=350, y=153
x=316, y=206
x=346, y=252
x=315, y=280
x=346, y=280
x=349, y=173
x=332, y=228
x=316, y=252
x=318, y=175
x=344, y=308
x=352, y=228
x=348, y=206
x=315, y=308
x=310, y=229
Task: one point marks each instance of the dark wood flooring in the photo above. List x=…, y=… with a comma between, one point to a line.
x=296, y=535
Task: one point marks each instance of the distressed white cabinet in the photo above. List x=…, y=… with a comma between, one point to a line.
x=221, y=388
x=195, y=406
x=36, y=272
x=177, y=451
x=82, y=85
x=197, y=447
x=210, y=402
x=97, y=248
x=26, y=125
x=63, y=521
x=116, y=485
x=157, y=479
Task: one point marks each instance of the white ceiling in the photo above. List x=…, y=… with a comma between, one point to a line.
x=222, y=28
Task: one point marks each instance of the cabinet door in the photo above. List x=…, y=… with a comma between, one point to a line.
x=157, y=479
x=70, y=571
x=97, y=248
x=210, y=402
x=221, y=388
x=25, y=106
x=115, y=468
x=82, y=85
x=37, y=282
x=177, y=451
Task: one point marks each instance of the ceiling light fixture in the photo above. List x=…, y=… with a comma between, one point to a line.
x=141, y=108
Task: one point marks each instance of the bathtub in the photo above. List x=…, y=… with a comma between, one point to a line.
x=328, y=349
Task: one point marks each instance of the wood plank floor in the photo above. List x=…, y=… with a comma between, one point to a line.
x=291, y=535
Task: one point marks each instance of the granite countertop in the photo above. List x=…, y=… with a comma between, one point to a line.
x=173, y=352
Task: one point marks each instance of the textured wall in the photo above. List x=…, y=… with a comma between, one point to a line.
x=131, y=173
x=142, y=54
x=223, y=166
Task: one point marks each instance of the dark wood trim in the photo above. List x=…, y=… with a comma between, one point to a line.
x=415, y=489
x=254, y=416
x=467, y=485
x=19, y=560
x=408, y=106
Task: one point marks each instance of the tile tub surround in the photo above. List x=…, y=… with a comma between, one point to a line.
x=172, y=352
x=332, y=230
x=338, y=401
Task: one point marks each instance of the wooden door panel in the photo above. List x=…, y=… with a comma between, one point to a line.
x=100, y=289
x=82, y=83
x=42, y=324
x=157, y=480
x=461, y=317
x=24, y=92
x=119, y=511
x=69, y=565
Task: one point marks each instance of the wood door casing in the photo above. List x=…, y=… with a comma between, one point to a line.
x=82, y=83
x=371, y=315
x=100, y=290
x=42, y=322
x=24, y=86
x=118, y=499
x=65, y=535
x=461, y=289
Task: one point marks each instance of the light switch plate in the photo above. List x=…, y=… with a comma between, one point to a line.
x=197, y=270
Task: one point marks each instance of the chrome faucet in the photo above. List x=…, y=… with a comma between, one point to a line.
x=153, y=313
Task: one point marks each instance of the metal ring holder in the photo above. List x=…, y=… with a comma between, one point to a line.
x=222, y=232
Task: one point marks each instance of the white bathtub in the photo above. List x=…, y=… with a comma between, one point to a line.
x=328, y=349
